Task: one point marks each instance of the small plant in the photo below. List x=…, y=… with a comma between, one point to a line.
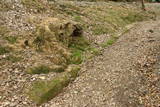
x=4, y=50
x=43, y=69
x=11, y=39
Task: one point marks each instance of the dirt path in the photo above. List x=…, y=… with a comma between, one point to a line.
x=114, y=79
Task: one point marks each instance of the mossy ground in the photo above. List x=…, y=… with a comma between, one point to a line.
x=97, y=18
x=13, y=58
x=11, y=39
x=4, y=49
x=102, y=18
x=43, y=69
x=43, y=91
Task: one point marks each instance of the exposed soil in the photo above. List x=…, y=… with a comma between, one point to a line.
x=122, y=77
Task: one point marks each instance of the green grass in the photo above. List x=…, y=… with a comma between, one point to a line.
x=78, y=47
x=13, y=59
x=108, y=42
x=11, y=39
x=76, y=57
x=43, y=91
x=43, y=69
x=95, y=51
x=100, y=29
x=77, y=18
x=101, y=19
x=4, y=50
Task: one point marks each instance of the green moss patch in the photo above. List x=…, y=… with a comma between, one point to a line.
x=13, y=59
x=109, y=42
x=43, y=69
x=43, y=91
x=4, y=50
x=11, y=39
x=78, y=47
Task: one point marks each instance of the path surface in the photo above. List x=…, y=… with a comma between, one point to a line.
x=114, y=79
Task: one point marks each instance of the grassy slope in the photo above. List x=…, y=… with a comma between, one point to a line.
x=97, y=18
x=102, y=17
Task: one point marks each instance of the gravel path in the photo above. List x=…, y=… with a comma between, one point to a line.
x=114, y=79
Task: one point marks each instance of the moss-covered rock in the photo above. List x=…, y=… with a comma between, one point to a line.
x=43, y=69
x=43, y=91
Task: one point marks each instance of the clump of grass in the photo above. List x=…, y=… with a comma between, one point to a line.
x=11, y=39
x=95, y=51
x=76, y=57
x=100, y=29
x=4, y=50
x=77, y=18
x=43, y=91
x=13, y=59
x=134, y=17
x=109, y=42
x=78, y=46
x=43, y=69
